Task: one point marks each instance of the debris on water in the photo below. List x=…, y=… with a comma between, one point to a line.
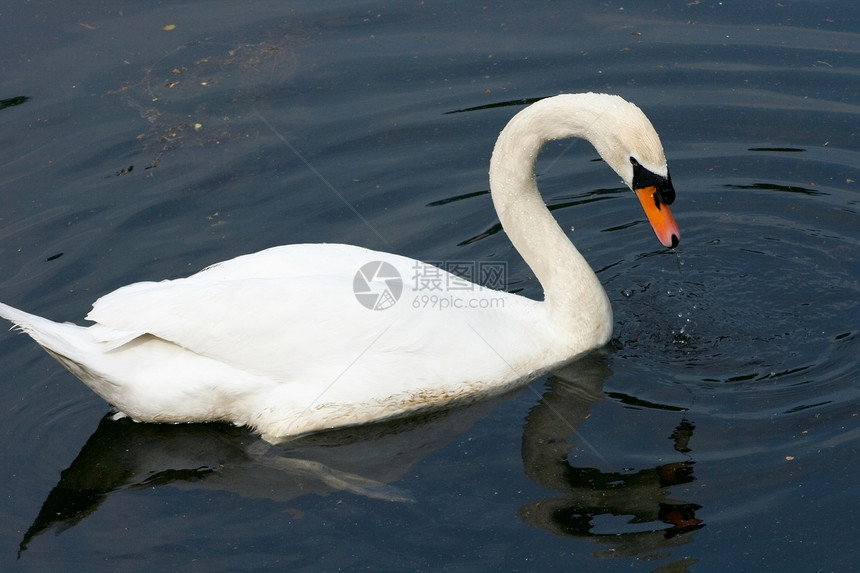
x=211, y=83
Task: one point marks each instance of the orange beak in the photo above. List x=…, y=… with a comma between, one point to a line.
x=659, y=216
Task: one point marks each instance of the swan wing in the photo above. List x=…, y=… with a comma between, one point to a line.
x=287, y=310
x=264, y=326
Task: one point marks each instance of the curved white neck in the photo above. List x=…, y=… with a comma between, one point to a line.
x=572, y=293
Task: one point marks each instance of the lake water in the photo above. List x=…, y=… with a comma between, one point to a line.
x=720, y=428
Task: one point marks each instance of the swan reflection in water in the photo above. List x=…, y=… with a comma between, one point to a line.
x=364, y=460
x=368, y=460
x=628, y=510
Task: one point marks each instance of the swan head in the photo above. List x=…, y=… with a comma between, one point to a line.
x=627, y=142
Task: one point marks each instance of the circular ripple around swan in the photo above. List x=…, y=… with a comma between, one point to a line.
x=755, y=319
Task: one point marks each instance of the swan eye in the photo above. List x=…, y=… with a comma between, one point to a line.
x=642, y=178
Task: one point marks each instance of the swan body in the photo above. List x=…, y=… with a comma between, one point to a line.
x=302, y=338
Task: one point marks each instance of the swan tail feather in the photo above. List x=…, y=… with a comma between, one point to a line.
x=58, y=338
x=64, y=337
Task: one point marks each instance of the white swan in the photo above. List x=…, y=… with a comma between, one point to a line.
x=287, y=340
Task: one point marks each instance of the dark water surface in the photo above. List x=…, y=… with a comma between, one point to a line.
x=719, y=430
